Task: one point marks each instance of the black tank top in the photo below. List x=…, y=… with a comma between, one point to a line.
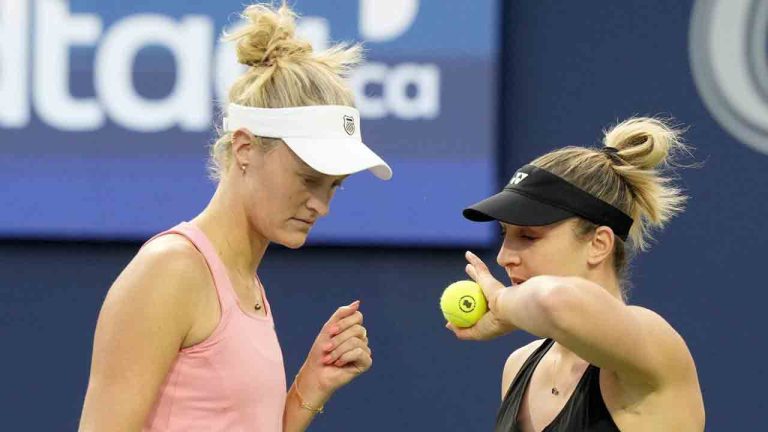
x=585, y=411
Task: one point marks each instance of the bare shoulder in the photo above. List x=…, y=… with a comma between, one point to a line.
x=145, y=318
x=515, y=362
x=673, y=355
x=166, y=271
x=167, y=258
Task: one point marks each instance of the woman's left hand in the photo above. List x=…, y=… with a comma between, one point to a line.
x=339, y=354
x=492, y=324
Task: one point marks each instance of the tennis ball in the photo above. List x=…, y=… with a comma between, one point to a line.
x=463, y=303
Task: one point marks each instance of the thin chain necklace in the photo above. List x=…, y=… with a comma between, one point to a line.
x=254, y=287
x=257, y=306
x=555, y=390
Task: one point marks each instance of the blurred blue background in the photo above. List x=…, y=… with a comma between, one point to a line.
x=517, y=79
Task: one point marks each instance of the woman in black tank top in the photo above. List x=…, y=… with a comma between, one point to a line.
x=571, y=220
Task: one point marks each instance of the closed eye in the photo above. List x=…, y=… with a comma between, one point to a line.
x=309, y=180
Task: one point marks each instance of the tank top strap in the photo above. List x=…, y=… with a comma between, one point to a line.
x=506, y=419
x=221, y=281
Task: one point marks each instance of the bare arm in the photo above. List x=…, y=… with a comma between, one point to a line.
x=296, y=418
x=633, y=342
x=141, y=328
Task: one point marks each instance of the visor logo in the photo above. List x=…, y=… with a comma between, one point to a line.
x=349, y=125
x=518, y=177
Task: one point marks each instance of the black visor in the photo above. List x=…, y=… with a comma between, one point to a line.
x=536, y=197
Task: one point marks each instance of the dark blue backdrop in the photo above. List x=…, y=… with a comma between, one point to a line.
x=569, y=69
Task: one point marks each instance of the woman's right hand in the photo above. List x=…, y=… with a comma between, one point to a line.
x=491, y=325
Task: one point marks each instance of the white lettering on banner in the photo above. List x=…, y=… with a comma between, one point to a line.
x=382, y=21
x=316, y=30
x=55, y=32
x=14, y=85
x=426, y=81
x=188, y=105
x=395, y=82
x=409, y=91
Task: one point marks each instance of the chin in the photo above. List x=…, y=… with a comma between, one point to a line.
x=292, y=240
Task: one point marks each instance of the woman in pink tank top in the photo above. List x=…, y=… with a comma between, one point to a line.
x=185, y=340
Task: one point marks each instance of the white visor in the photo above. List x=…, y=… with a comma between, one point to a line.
x=325, y=137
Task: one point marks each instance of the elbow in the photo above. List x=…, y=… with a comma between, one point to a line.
x=556, y=301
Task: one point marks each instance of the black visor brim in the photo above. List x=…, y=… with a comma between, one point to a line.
x=516, y=209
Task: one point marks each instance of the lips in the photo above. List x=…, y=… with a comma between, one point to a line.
x=517, y=280
x=306, y=221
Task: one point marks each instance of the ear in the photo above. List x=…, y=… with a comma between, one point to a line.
x=601, y=245
x=243, y=143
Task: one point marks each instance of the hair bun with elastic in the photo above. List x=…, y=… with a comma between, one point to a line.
x=268, y=37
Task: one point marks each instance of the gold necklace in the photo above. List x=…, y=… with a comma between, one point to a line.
x=555, y=390
x=257, y=288
x=256, y=306
x=254, y=288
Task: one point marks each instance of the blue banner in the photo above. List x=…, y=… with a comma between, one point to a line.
x=107, y=109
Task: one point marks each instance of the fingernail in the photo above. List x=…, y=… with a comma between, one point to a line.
x=355, y=303
x=334, y=330
x=326, y=359
x=328, y=346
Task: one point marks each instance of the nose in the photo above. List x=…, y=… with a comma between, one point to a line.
x=508, y=256
x=319, y=205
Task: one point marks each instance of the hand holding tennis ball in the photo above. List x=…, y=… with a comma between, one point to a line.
x=482, y=322
x=463, y=303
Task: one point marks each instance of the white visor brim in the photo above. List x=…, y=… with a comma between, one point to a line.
x=325, y=137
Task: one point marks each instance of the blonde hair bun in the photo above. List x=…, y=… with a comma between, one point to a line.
x=268, y=37
x=284, y=71
x=644, y=142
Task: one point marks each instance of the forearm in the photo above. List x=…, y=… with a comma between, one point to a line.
x=297, y=418
x=531, y=306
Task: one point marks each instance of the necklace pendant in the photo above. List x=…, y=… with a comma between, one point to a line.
x=555, y=391
x=257, y=307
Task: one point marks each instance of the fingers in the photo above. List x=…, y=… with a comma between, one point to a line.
x=356, y=330
x=476, y=262
x=478, y=271
x=350, y=344
x=462, y=333
x=345, y=323
x=358, y=357
x=470, y=270
x=342, y=313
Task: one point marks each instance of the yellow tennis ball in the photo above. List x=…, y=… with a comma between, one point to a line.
x=463, y=303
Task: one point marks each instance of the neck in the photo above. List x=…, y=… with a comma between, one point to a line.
x=604, y=276
x=225, y=223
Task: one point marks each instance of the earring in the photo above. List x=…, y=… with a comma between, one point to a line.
x=242, y=167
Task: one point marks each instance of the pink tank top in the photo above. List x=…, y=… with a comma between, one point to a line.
x=235, y=379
